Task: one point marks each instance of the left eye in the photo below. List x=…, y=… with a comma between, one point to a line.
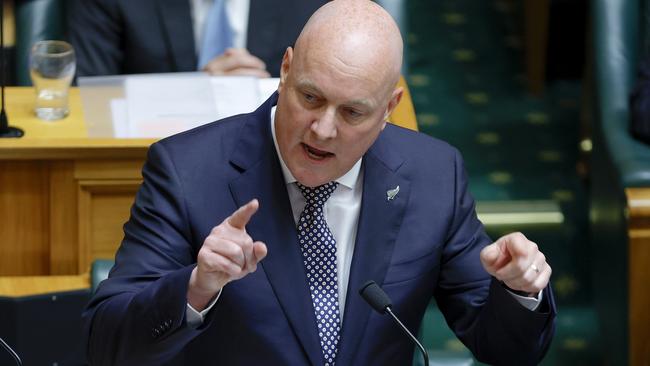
x=354, y=113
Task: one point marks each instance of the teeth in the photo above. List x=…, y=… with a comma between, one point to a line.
x=314, y=154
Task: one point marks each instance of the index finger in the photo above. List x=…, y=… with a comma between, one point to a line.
x=240, y=218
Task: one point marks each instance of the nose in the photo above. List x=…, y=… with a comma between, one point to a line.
x=324, y=126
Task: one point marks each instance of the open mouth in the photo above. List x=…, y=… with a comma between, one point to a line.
x=316, y=154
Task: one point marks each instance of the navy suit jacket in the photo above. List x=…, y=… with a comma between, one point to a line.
x=423, y=243
x=113, y=37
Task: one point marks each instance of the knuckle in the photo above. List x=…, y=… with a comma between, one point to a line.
x=217, y=230
x=247, y=243
x=202, y=257
x=208, y=263
x=522, y=265
x=210, y=242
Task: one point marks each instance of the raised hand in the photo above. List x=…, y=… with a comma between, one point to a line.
x=518, y=263
x=227, y=254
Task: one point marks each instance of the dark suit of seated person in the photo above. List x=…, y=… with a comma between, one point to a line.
x=250, y=236
x=114, y=37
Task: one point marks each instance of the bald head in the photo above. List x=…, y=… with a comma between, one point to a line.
x=337, y=87
x=358, y=33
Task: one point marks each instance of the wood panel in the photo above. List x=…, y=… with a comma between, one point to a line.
x=639, y=274
x=64, y=243
x=109, y=169
x=104, y=207
x=24, y=233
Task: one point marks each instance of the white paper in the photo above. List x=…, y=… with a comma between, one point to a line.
x=158, y=106
x=234, y=94
x=163, y=106
x=266, y=88
x=120, y=116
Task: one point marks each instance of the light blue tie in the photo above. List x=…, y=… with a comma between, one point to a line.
x=217, y=33
x=318, y=248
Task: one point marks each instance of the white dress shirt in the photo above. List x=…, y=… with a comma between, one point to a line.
x=237, y=15
x=341, y=212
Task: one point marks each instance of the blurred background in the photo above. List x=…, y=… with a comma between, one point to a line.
x=535, y=94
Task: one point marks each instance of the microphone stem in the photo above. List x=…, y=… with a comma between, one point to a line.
x=408, y=333
x=11, y=351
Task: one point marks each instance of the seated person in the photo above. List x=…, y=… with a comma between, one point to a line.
x=250, y=237
x=222, y=37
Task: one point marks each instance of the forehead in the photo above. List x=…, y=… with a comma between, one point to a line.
x=349, y=79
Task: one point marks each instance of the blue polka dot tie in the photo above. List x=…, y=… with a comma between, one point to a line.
x=319, y=257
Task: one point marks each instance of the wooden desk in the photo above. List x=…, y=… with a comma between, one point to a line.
x=63, y=196
x=19, y=286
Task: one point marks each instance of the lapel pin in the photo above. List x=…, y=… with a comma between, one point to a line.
x=391, y=193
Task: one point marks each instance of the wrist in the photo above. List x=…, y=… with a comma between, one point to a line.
x=519, y=292
x=197, y=296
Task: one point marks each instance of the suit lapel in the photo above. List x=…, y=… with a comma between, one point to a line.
x=262, y=178
x=379, y=223
x=178, y=33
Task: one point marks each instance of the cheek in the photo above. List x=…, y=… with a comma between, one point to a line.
x=357, y=142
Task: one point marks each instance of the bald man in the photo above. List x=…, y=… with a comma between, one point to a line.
x=250, y=237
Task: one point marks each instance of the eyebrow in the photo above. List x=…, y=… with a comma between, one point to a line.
x=306, y=84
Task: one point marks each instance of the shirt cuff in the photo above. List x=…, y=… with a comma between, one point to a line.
x=529, y=303
x=195, y=318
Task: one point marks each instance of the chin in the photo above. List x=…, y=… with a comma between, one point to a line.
x=311, y=180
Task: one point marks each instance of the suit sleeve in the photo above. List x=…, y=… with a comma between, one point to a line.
x=95, y=31
x=485, y=317
x=137, y=316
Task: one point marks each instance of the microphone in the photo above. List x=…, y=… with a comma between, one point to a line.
x=378, y=300
x=5, y=129
x=11, y=352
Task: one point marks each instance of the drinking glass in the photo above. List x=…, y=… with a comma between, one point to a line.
x=52, y=67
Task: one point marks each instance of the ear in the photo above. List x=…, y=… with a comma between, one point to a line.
x=395, y=97
x=285, y=67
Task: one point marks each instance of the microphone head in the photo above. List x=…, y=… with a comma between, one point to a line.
x=375, y=296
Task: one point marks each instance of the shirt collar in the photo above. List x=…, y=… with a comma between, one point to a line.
x=348, y=179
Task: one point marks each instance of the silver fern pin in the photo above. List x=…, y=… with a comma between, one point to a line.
x=391, y=193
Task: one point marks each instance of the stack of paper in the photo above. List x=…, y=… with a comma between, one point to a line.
x=160, y=106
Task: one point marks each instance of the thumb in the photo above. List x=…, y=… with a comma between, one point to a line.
x=493, y=258
x=260, y=250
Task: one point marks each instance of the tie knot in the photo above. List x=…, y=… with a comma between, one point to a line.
x=317, y=196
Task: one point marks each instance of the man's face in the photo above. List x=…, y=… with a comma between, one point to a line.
x=328, y=114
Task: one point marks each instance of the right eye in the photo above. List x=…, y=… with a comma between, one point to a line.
x=309, y=98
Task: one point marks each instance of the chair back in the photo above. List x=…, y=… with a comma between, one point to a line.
x=404, y=114
x=99, y=272
x=36, y=20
